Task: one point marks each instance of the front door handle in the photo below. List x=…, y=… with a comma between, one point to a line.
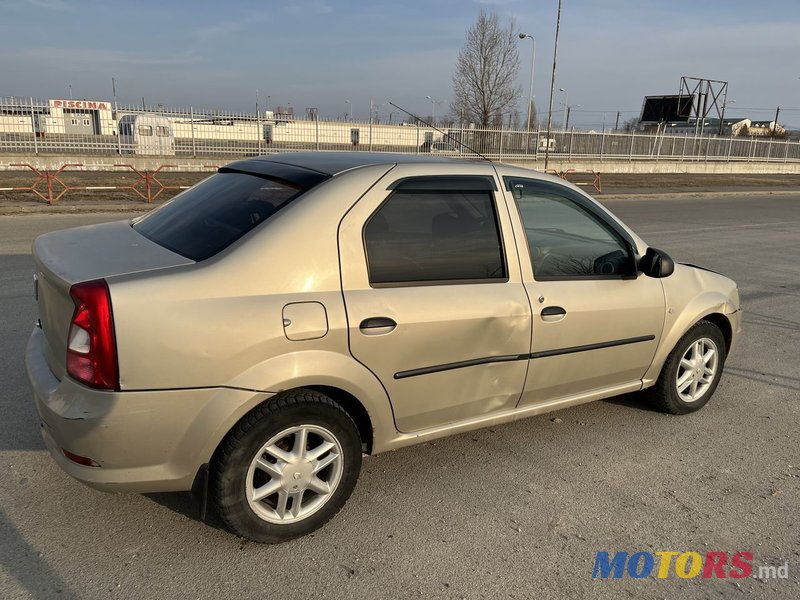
x=551, y=314
x=377, y=326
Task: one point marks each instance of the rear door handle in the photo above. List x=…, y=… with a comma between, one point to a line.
x=551, y=314
x=377, y=326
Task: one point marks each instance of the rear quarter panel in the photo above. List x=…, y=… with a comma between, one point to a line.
x=212, y=323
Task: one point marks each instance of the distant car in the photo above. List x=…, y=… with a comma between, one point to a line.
x=253, y=337
x=444, y=148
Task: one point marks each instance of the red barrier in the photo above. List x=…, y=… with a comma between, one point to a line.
x=47, y=176
x=150, y=177
x=152, y=186
x=596, y=182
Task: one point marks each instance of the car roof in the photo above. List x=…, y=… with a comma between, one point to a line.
x=332, y=163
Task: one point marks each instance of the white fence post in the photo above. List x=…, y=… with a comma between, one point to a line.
x=571, y=138
x=259, y=131
x=602, y=143
x=119, y=133
x=500, y=153
x=191, y=120
x=33, y=130
x=630, y=154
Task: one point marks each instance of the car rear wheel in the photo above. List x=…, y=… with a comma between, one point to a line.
x=692, y=371
x=286, y=468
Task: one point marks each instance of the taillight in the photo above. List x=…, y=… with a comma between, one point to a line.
x=91, y=345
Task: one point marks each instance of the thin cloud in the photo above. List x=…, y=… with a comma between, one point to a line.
x=218, y=30
x=59, y=5
x=91, y=57
x=309, y=7
x=230, y=27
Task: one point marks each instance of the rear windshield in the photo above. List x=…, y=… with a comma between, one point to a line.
x=216, y=212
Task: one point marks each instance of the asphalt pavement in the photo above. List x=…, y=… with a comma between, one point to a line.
x=516, y=511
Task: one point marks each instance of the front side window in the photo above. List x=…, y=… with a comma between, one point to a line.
x=566, y=240
x=162, y=131
x=145, y=130
x=434, y=235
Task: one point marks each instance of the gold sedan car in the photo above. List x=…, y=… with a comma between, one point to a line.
x=255, y=336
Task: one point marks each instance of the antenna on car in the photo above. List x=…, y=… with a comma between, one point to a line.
x=444, y=134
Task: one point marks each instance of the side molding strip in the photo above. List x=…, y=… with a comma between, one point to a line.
x=513, y=357
x=611, y=344
x=459, y=365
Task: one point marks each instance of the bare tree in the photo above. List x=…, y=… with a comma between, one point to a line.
x=485, y=82
x=631, y=124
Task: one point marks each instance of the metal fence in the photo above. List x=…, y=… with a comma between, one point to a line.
x=81, y=127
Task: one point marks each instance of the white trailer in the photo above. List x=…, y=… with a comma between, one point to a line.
x=147, y=134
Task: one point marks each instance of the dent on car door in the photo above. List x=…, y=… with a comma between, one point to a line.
x=435, y=306
x=596, y=321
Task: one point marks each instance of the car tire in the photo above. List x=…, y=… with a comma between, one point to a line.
x=692, y=371
x=286, y=468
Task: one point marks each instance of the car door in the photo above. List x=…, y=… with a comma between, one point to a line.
x=597, y=322
x=435, y=305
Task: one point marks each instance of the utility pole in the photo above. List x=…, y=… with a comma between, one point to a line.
x=775, y=127
x=552, y=89
x=616, y=123
x=523, y=36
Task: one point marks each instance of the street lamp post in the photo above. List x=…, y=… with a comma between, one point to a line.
x=433, y=108
x=722, y=116
x=523, y=36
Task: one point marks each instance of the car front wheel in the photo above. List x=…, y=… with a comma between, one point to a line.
x=286, y=468
x=692, y=371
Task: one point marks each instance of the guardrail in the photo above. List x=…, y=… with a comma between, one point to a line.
x=569, y=175
x=51, y=188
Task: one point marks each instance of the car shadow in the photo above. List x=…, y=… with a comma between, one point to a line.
x=636, y=400
x=187, y=504
x=28, y=567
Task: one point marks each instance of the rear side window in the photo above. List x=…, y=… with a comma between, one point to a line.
x=213, y=214
x=426, y=236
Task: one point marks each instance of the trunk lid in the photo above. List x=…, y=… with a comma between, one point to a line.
x=71, y=256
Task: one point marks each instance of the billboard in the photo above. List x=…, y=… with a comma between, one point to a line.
x=661, y=109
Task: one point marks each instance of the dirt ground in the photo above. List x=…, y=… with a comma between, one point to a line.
x=81, y=200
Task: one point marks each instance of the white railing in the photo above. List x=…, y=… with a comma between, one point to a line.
x=31, y=126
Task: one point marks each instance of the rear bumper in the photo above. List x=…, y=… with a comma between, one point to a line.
x=144, y=441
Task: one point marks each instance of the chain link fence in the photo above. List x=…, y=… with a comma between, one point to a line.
x=81, y=127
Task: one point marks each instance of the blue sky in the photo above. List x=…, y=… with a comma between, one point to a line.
x=321, y=53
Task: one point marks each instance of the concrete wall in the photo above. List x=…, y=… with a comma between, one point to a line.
x=142, y=163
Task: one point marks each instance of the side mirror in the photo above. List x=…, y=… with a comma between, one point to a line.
x=656, y=263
